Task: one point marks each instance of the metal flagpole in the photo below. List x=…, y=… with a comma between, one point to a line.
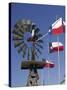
x=58, y=60
x=48, y=75
x=42, y=78
x=48, y=65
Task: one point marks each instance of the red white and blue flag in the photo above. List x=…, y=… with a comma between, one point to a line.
x=57, y=27
x=48, y=64
x=55, y=46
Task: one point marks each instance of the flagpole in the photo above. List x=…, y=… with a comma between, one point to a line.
x=48, y=75
x=58, y=58
x=58, y=61
x=48, y=66
x=43, y=78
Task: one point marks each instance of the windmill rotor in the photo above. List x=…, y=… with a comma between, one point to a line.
x=23, y=39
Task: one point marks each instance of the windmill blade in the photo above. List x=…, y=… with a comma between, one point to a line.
x=33, y=26
x=26, y=25
x=39, y=45
x=36, y=54
x=37, y=30
x=21, y=31
x=29, y=28
x=26, y=28
x=16, y=37
x=20, y=49
x=17, y=32
x=29, y=25
x=38, y=50
x=29, y=22
x=28, y=56
x=19, y=26
x=23, y=28
x=24, y=51
x=16, y=26
x=40, y=41
x=18, y=43
x=39, y=35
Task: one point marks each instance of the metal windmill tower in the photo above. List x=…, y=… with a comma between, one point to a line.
x=25, y=34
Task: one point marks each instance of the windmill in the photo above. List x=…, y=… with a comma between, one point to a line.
x=25, y=37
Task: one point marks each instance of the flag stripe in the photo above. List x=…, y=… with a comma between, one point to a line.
x=61, y=48
x=57, y=23
x=49, y=64
x=58, y=30
x=54, y=46
x=57, y=27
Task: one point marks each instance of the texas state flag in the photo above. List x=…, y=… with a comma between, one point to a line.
x=48, y=64
x=57, y=27
x=55, y=46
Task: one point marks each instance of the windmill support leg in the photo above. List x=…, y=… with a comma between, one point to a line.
x=33, y=78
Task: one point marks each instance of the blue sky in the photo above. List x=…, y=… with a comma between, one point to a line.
x=43, y=16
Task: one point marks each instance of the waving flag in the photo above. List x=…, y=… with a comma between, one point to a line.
x=57, y=27
x=64, y=24
x=49, y=64
x=54, y=46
